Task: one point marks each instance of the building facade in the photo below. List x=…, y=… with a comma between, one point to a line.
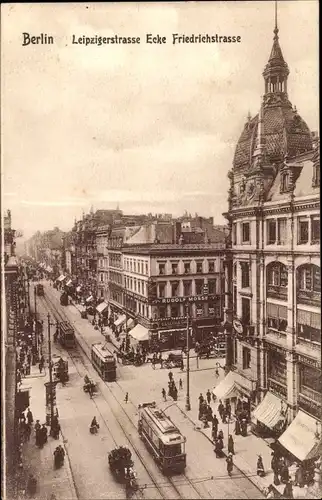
x=272, y=266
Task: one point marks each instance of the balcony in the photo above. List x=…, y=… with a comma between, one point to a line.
x=309, y=297
x=309, y=393
x=277, y=292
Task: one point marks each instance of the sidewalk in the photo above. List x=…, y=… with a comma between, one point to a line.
x=40, y=462
x=247, y=450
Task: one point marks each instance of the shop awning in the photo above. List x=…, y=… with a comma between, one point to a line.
x=140, y=333
x=120, y=320
x=300, y=437
x=268, y=412
x=61, y=278
x=69, y=282
x=78, y=289
x=232, y=386
x=49, y=269
x=101, y=307
x=89, y=299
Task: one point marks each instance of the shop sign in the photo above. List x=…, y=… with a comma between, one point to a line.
x=170, y=321
x=183, y=300
x=277, y=389
x=135, y=296
x=199, y=311
x=309, y=361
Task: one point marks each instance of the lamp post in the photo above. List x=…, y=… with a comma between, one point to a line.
x=36, y=323
x=188, y=406
x=28, y=286
x=51, y=392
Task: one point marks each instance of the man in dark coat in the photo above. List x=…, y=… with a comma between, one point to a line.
x=30, y=418
x=208, y=396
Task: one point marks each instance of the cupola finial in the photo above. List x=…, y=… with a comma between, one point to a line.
x=276, y=25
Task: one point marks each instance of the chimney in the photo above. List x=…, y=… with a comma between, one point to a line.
x=177, y=231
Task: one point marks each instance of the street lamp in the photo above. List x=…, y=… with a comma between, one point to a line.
x=51, y=387
x=188, y=406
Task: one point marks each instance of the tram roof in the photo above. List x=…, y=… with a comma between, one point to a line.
x=163, y=425
x=102, y=350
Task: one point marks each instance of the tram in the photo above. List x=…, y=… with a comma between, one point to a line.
x=66, y=335
x=163, y=439
x=104, y=362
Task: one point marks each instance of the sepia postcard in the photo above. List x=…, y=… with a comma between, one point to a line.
x=160, y=250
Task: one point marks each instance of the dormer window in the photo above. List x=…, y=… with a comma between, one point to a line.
x=284, y=182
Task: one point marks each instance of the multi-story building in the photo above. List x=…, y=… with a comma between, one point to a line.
x=273, y=317
x=47, y=248
x=170, y=272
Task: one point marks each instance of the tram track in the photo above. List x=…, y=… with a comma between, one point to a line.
x=156, y=484
x=181, y=481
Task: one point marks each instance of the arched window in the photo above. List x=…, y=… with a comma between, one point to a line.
x=308, y=278
x=277, y=280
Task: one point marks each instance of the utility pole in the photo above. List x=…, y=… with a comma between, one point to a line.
x=36, y=323
x=28, y=285
x=188, y=406
x=51, y=392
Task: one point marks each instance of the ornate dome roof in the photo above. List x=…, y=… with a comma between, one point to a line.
x=284, y=133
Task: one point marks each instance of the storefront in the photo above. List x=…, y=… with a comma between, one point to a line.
x=302, y=438
x=172, y=339
x=236, y=387
x=269, y=417
x=119, y=322
x=310, y=383
x=205, y=330
x=140, y=333
x=102, y=308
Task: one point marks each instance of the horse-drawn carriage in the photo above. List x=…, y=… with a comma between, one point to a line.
x=121, y=466
x=89, y=385
x=174, y=360
x=130, y=358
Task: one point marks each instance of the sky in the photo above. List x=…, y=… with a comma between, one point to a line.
x=151, y=127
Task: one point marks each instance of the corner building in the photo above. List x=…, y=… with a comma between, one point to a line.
x=272, y=267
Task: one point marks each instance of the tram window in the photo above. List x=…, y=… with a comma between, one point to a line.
x=172, y=450
x=161, y=447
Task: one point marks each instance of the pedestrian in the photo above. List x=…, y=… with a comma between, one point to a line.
x=285, y=475
x=41, y=366
x=170, y=375
x=44, y=437
x=126, y=397
x=221, y=435
x=299, y=476
x=180, y=383
x=229, y=461
x=260, y=467
x=208, y=396
x=38, y=437
x=228, y=410
x=27, y=432
x=288, y=490
x=215, y=421
x=37, y=425
x=231, y=445
x=224, y=416
x=237, y=426
x=220, y=408
x=164, y=394
x=216, y=373
x=201, y=399
x=181, y=365
x=209, y=413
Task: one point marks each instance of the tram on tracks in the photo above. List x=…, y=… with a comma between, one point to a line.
x=40, y=290
x=66, y=335
x=103, y=361
x=163, y=438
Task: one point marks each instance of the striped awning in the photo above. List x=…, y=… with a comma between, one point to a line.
x=301, y=439
x=268, y=412
x=61, y=278
x=101, y=307
x=120, y=320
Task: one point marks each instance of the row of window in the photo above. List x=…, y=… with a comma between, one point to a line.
x=115, y=277
x=179, y=310
x=136, y=285
x=307, y=275
x=115, y=260
x=308, y=231
x=187, y=267
x=136, y=265
x=187, y=288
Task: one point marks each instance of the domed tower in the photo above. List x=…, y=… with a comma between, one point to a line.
x=276, y=132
